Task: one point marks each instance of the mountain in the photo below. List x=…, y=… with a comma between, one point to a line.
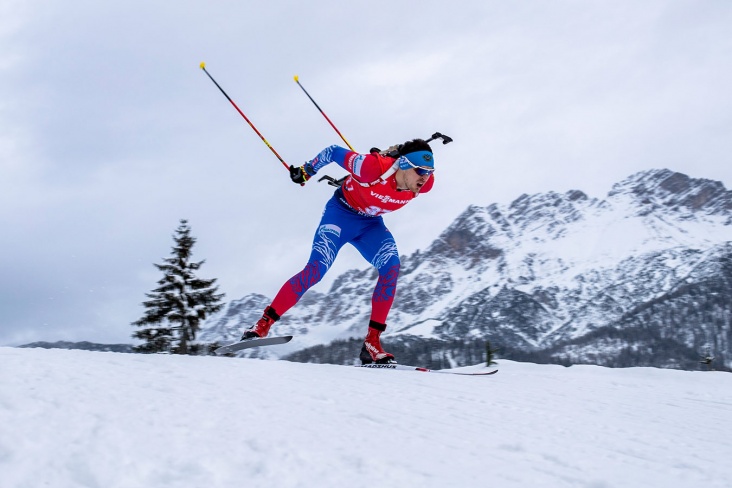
x=84, y=345
x=642, y=277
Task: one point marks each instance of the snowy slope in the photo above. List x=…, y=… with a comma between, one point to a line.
x=89, y=419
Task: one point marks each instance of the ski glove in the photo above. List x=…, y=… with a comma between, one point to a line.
x=302, y=173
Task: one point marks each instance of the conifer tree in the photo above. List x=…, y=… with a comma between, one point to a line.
x=176, y=309
x=490, y=354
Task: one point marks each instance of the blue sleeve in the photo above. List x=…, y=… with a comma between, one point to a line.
x=331, y=154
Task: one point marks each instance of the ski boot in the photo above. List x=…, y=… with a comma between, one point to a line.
x=371, y=351
x=261, y=328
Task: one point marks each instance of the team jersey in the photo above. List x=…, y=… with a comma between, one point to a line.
x=373, y=200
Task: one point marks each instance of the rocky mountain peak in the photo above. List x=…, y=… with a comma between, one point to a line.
x=549, y=208
x=664, y=188
x=467, y=238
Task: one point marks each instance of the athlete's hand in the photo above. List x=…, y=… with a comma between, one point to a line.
x=299, y=175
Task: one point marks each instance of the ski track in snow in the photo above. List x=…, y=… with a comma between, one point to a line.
x=83, y=419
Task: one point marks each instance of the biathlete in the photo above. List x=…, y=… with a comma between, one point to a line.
x=377, y=184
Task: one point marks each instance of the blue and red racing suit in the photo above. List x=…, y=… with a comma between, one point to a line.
x=353, y=215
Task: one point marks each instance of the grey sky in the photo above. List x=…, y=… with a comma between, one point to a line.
x=110, y=132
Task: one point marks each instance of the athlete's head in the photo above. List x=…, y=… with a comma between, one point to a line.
x=416, y=154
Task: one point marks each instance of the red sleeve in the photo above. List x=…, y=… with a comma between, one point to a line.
x=367, y=167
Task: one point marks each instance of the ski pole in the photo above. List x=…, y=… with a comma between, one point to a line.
x=297, y=80
x=203, y=67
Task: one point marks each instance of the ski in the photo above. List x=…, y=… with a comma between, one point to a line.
x=404, y=367
x=246, y=344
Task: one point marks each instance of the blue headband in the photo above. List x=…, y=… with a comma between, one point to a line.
x=423, y=159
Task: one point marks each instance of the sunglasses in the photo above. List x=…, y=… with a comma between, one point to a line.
x=421, y=170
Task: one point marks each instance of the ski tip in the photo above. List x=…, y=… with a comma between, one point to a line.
x=297, y=79
x=247, y=343
x=203, y=65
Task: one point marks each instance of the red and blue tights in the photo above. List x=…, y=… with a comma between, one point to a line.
x=368, y=235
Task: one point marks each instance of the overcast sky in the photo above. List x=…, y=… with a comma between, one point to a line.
x=110, y=132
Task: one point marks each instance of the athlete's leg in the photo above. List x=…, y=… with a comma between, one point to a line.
x=377, y=245
x=328, y=240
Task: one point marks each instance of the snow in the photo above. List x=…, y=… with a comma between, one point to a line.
x=90, y=419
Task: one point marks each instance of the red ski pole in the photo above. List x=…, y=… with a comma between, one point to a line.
x=297, y=80
x=203, y=67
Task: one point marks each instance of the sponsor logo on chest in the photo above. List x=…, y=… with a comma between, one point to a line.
x=388, y=199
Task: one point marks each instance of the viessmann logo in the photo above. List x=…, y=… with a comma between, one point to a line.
x=388, y=199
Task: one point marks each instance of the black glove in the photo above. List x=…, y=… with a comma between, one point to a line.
x=299, y=175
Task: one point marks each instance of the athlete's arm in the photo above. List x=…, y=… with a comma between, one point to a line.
x=363, y=167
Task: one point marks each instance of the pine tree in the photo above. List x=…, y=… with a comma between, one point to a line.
x=490, y=354
x=181, y=302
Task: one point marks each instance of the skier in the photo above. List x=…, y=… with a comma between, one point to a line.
x=376, y=184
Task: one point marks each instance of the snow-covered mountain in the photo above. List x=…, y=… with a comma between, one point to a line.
x=641, y=277
x=84, y=346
